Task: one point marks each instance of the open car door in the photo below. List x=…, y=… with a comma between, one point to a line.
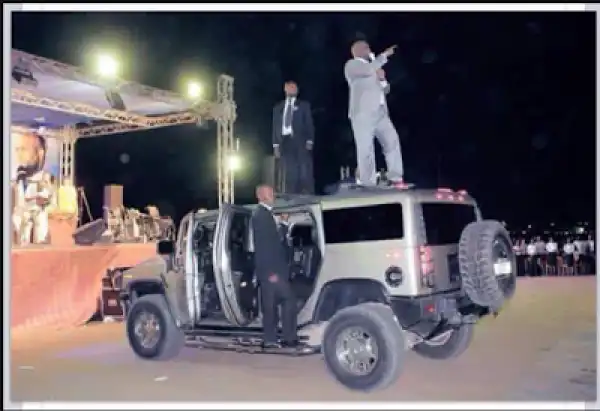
x=233, y=264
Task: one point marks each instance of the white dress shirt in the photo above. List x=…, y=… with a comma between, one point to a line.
x=569, y=248
x=268, y=207
x=551, y=247
x=531, y=249
x=290, y=103
x=519, y=248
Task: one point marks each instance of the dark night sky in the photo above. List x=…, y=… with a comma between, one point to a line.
x=502, y=104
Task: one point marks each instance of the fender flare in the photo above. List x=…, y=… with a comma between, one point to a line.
x=338, y=294
x=144, y=286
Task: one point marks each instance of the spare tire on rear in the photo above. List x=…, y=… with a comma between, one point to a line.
x=488, y=264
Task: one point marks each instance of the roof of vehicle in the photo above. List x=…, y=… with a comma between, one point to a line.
x=357, y=195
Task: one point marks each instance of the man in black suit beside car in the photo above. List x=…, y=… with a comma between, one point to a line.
x=273, y=272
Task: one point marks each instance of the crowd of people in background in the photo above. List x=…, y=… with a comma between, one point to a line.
x=565, y=256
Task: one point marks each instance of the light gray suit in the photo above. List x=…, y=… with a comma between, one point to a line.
x=368, y=114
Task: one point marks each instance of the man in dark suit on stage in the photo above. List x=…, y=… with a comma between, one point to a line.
x=273, y=272
x=293, y=139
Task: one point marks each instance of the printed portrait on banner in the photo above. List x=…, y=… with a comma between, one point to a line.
x=34, y=172
x=34, y=152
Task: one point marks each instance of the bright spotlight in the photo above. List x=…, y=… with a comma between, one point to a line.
x=194, y=90
x=107, y=66
x=234, y=163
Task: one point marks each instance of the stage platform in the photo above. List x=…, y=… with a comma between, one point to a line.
x=58, y=287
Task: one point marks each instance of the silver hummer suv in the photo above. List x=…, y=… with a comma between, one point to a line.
x=376, y=272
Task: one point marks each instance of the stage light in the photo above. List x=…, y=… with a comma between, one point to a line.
x=114, y=100
x=234, y=163
x=107, y=66
x=194, y=90
x=21, y=73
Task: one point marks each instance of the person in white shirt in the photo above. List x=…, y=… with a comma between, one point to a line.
x=531, y=260
x=568, y=250
x=551, y=258
x=540, y=246
x=540, y=255
x=580, y=245
x=580, y=255
x=520, y=252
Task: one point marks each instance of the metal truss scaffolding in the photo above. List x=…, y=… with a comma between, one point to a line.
x=225, y=140
x=154, y=122
x=57, y=69
x=223, y=111
x=67, y=155
x=29, y=99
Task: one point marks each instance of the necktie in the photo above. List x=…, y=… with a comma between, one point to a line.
x=287, y=115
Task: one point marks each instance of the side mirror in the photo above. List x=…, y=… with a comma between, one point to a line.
x=165, y=247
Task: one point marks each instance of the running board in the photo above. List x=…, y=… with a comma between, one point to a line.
x=253, y=346
x=227, y=331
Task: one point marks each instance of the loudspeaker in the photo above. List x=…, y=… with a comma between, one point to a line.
x=91, y=233
x=113, y=196
x=110, y=298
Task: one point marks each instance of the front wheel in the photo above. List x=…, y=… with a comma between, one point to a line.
x=151, y=330
x=449, y=344
x=364, y=347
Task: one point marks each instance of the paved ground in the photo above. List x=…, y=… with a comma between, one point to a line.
x=542, y=347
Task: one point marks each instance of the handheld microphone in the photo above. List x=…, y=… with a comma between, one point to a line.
x=21, y=173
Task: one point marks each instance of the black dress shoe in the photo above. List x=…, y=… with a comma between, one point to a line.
x=270, y=345
x=290, y=343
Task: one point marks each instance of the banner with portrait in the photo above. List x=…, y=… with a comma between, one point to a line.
x=29, y=149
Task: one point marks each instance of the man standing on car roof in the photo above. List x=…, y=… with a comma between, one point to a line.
x=293, y=139
x=272, y=272
x=368, y=113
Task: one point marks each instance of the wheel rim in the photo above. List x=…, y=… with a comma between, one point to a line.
x=503, y=263
x=147, y=329
x=357, y=351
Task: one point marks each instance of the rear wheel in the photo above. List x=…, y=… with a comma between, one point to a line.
x=364, y=347
x=449, y=344
x=151, y=330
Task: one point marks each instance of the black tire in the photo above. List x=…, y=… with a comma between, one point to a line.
x=456, y=344
x=479, y=243
x=379, y=322
x=170, y=340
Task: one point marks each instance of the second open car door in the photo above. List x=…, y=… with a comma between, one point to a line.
x=233, y=264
